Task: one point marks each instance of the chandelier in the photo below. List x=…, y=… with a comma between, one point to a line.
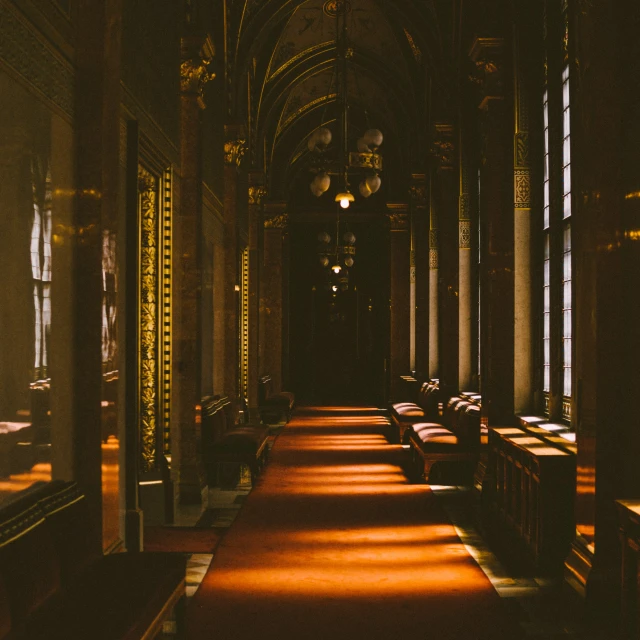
x=365, y=163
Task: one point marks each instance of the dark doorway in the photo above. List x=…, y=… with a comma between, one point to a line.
x=339, y=336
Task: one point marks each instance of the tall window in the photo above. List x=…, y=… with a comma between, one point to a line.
x=566, y=215
x=41, y=265
x=556, y=216
x=546, y=309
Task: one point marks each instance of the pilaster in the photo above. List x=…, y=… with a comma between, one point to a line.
x=400, y=245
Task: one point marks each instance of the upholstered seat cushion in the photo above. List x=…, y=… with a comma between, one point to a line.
x=434, y=434
x=118, y=597
x=409, y=410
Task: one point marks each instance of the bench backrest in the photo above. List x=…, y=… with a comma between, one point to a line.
x=214, y=420
x=264, y=389
x=45, y=543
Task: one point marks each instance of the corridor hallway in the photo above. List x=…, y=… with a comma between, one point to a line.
x=335, y=543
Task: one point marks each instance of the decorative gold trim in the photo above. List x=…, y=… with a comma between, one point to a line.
x=299, y=56
x=148, y=318
x=256, y=194
x=418, y=193
x=280, y=221
x=165, y=329
x=234, y=151
x=415, y=49
x=303, y=109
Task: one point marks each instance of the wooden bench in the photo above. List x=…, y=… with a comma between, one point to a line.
x=227, y=444
x=273, y=406
x=454, y=441
x=55, y=585
x=424, y=408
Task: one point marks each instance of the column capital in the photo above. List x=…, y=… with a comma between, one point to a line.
x=443, y=145
x=197, y=54
x=398, y=215
x=418, y=190
x=256, y=194
x=487, y=55
x=235, y=145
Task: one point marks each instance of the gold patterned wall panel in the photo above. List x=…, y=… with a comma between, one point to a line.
x=148, y=316
x=244, y=324
x=165, y=329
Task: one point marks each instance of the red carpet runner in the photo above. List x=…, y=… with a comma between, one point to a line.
x=335, y=544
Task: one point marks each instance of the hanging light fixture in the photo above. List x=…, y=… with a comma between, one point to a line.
x=366, y=161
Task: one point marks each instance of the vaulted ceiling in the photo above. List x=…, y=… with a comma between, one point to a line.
x=282, y=68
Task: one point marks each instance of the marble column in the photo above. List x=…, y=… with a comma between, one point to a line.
x=234, y=150
x=97, y=128
x=420, y=225
x=275, y=223
x=464, y=271
x=523, y=331
x=399, y=239
x=187, y=476
x=257, y=191
x=606, y=261
x=496, y=231
x=447, y=191
x=434, y=279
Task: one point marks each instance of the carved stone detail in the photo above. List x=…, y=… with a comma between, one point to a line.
x=33, y=60
x=464, y=207
x=521, y=148
x=465, y=234
x=433, y=259
x=522, y=188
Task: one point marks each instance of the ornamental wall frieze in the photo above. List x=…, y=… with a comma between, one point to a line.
x=32, y=58
x=234, y=151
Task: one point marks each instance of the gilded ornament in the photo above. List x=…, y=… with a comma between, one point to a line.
x=234, y=150
x=256, y=194
x=418, y=194
x=280, y=221
x=194, y=75
x=148, y=317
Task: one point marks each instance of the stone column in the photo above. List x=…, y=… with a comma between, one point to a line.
x=97, y=129
x=434, y=278
x=257, y=191
x=187, y=476
x=420, y=269
x=276, y=222
x=606, y=259
x=447, y=205
x=523, y=334
x=399, y=258
x=464, y=272
x=234, y=149
x=496, y=209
